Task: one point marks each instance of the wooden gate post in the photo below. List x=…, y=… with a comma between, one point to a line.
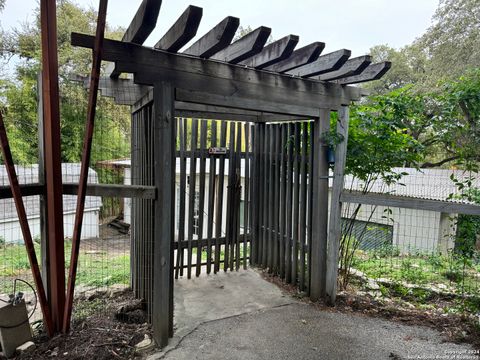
x=335, y=229
x=318, y=256
x=164, y=211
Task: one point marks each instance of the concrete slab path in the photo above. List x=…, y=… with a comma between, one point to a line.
x=242, y=316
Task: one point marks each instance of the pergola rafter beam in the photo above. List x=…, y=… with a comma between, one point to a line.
x=273, y=53
x=232, y=81
x=352, y=67
x=372, y=72
x=216, y=39
x=141, y=26
x=184, y=30
x=245, y=47
x=302, y=56
x=325, y=63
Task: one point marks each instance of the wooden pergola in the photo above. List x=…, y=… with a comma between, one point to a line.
x=246, y=81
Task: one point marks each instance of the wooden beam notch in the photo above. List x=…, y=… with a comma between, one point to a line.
x=352, y=67
x=372, y=72
x=302, y=56
x=325, y=63
x=273, y=53
x=140, y=27
x=184, y=30
x=245, y=47
x=216, y=39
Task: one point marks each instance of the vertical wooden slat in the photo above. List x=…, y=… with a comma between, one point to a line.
x=288, y=232
x=309, y=203
x=259, y=192
x=276, y=199
x=164, y=169
x=219, y=206
x=268, y=200
x=296, y=202
x=230, y=196
x=319, y=208
x=201, y=202
x=211, y=195
x=191, y=193
x=303, y=206
x=246, y=196
x=182, y=133
x=283, y=199
x=334, y=232
x=238, y=190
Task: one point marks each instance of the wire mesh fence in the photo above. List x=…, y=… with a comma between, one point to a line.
x=410, y=253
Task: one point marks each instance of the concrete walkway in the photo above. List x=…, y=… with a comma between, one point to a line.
x=241, y=316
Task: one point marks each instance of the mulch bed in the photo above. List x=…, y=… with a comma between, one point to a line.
x=107, y=326
x=457, y=328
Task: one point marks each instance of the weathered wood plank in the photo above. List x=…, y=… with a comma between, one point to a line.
x=335, y=229
x=319, y=208
x=198, y=74
x=140, y=27
x=245, y=47
x=191, y=194
x=303, y=206
x=219, y=205
x=288, y=232
x=302, y=56
x=211, y=195
x=215, y=40
x=246, y=196
x=311, y=165
x=372, y=72
x=164, y=224
x=283, y=199
x=237, y=193
x=296, y=206
x=183, y=190
x=201, y=200
x=276, y=202
x=325, y=63
x=230, y=199
x=273, y=53
x=112, y=190
x=352, y=67
x=266, y=189
x=271, y=197
x=184, y=30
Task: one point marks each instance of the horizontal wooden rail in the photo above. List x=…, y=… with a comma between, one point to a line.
x=25, y=189
x=204, y=242
x=409, y=203
x=107, y=190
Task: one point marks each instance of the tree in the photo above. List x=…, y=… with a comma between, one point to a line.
x=451, y=43
x=112, y=130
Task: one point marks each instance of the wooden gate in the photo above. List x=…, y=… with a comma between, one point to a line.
x=212, y=196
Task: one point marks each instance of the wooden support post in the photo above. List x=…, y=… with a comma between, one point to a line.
x=164, y=205
x=87, y=147
x=42, y=181
x=319, y=207
x=53, y=161
x=334, y=231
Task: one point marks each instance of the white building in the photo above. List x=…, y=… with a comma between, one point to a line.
x=409, y=230
x=10, y=231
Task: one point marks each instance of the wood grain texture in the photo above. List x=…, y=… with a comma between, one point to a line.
x=245, y=47
x=325, y=63
x=273, y=53
x=372, y=72
x=216, y=39
x=299, y=57
x=184, y=30
x=352, y=67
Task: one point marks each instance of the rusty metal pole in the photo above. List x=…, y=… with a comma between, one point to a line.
x=53, y=162
x=22, y=217
x=87, y=147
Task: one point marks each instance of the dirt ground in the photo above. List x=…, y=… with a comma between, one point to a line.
x=107, y=326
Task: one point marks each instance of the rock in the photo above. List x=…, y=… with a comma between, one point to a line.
x=372, y=285
x=146, y=344
x=28, y=346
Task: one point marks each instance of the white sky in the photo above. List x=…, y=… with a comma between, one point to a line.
x=352, y=24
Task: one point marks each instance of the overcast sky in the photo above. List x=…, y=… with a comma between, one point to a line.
x=353, y=24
